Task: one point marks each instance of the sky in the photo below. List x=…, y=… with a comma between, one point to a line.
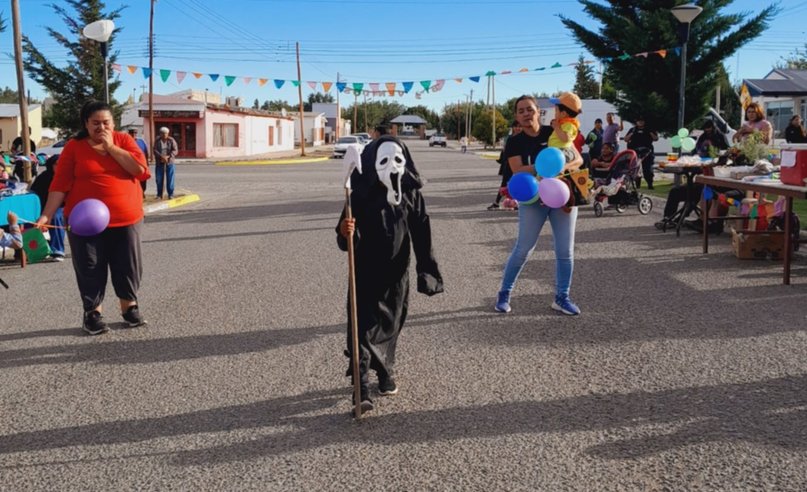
x=363, y=41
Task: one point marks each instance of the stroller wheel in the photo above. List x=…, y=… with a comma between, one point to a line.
x=645, y=205
x=621, y=207
x=598, y=209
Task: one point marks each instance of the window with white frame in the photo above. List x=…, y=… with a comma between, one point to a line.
x=225, y=134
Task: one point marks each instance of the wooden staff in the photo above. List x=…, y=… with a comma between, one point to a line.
x=354, y=322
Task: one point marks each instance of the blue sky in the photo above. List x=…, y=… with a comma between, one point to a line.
x=365, y=41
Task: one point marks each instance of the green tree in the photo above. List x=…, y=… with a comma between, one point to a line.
x=277, y=105
x=585, y=85
x=82, y=78
x=482, y=131
x=317, y=97
x=256, y=104
x=650, y=85
x=452, y=120
x=378, y=112
x=796, y=61
x=427, y=114
x=9, y=96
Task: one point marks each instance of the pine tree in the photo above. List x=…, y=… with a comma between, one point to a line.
x=82, y=78
x=585, y=86
x=650, y=85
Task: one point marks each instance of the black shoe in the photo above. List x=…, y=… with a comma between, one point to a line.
x=694, y=224
x=133, y=317
x=715, y=227
x=387, y=386
x=493, y=206
x=93, y=324
x=366, y=401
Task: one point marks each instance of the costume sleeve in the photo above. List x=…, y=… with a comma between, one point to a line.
x=65, y=171
x=430, y=282
x=570, y=129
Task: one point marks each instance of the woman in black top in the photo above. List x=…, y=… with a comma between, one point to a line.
x=521, y=151
x=795, y=133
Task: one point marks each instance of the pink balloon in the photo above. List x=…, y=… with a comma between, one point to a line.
x=553, y=192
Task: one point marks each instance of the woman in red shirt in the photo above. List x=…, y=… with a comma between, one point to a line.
x=107, y=165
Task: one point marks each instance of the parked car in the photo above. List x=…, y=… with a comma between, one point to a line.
x=438, y=139
x=365, y=137
x=343, y=143
x=54, y=149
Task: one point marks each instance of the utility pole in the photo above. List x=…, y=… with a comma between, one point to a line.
x=355, y=112
x=366, y=126
x=487, y=98
x=151, y=84
x=470, y=114
x=602, y=75
x=25, y=134
x=493, y=109
x=300, y=95
x=459, y=113
x=717, y=99
x=338, y=111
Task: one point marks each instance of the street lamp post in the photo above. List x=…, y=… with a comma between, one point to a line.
x=685, y=15
x=101, y=31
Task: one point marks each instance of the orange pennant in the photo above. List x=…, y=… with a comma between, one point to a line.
x=662, y=53
x=524, y=70
x=326, y=86
x=261, y=82
x=131, y=69
x=391, y=88
x=197, y=75
x=458, y=80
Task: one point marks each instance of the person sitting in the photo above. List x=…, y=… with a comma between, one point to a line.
x=755, y=123
x=602, y=163
x=13, y=238
x=710, y=140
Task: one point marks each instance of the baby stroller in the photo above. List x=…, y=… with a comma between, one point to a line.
x=616, y=185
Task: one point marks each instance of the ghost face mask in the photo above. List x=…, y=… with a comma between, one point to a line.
x=390, y=163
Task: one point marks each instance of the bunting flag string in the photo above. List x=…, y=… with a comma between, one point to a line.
x=374, y=88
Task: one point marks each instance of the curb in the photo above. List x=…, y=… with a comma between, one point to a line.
x=487, y=155
x=271, y=162
x=172, y=203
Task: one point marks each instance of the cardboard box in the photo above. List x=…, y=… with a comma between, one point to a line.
x=757, y=245
x=793, y=164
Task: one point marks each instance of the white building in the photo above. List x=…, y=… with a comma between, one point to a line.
x=783, y=94
x=314, y=124
x=333, y=120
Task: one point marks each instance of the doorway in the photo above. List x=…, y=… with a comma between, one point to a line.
x=184, y=132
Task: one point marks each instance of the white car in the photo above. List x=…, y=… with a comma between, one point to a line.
x=438, y=139
x=54, y=149
x=365, y=137
x=343, y=143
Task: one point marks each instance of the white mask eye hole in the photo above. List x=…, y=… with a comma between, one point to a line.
x=384, y=161
x=398, y=159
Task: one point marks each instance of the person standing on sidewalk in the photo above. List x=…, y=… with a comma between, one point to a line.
x=103, y=164
x=165, y=150
x=611, y=131
x=145, y=149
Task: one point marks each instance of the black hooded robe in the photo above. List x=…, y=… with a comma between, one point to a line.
x=384, y=238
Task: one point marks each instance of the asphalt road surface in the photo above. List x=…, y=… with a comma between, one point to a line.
x=684, y=372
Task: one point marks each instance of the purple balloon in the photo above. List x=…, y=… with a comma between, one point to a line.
x=553, y=192
x=89, y=217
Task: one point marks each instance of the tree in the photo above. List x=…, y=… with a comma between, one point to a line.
x=585, y=85
x=378, y=112
x=317, y=97
x=256, y=104
x=277, y=105
x=650, y=85
x=452, y=119
x=481, y=130
x=82, y=78
x=427, y=114
x=9, y=96
x=796, y=61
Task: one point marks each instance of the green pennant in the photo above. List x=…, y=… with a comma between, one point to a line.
x=426, y=84
x=229, y=79
x=556, y=65
x=357, y=86
x=625, y=57
x=164, y=74
x=490, y=73
x=295, y=83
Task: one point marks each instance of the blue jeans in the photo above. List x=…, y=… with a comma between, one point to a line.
x=531, y=219
x=169, y=174
x=57, y=233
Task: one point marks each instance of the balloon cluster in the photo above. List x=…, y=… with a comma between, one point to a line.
x=683, y=141
x=552, y=191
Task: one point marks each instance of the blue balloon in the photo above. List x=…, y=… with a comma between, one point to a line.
x=707, y=193
x=549, y=162
x=523, y=187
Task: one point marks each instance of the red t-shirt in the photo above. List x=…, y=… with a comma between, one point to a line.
x=84, y=173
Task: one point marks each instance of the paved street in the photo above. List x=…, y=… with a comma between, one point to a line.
x=685, y=371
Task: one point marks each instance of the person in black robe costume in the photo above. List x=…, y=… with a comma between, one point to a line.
x=382, y=236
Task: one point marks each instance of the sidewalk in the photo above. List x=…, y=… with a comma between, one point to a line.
x=313, y=154
x=152, y=204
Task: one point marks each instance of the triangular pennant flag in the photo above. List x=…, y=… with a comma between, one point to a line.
x=357, y=86
x=391, y=88
x=146, y=72
x=116, y=67
x=475, y=78
x=262, y=82
x=625, y=56
x=556, y=65
x=426, y=84
x=374, y=87
x=340, y=86
x=326, y=86
x=401, y=93
x=181, y=76
x=677, y=51
x=197, y=75
x=295, y=83
x=407, y=86
x=131, y=68
x=213, y=76
x=540, y=68
x=490, y=73
x=247, y=80
x=644, y=55
x=312, y=85
x=505, y=72
x=524, y=70
x=164, y=74
x=607, y=59
x=417, y=95
x=229, y=79
x=458, y=80
x=279, y=83
x=438, y=85
x=662, y=53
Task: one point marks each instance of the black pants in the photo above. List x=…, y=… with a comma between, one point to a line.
x=116, y=250
x=647, y=170
x=678, y=195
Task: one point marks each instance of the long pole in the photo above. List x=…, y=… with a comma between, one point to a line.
x=26, y=136
x=300, y=94
x=151, y=91
x=682, y=96
x=338, y=111
x=366, y=125
x=493, y=110
x=354, y=320
x=355, y=112
x=470, y=115
x=104, y=53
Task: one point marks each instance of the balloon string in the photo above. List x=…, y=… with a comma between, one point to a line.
x=49, y=226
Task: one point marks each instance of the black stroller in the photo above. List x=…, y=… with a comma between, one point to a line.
x=616, y=185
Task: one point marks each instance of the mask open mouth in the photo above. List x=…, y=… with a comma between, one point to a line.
x=396, y=185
